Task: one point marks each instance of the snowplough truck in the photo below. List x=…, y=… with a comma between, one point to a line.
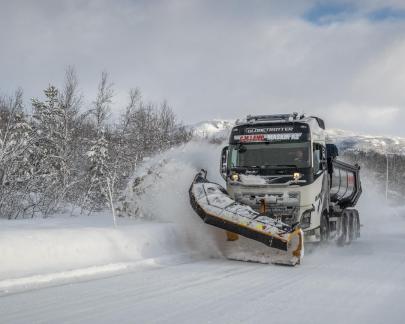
x=284, y=186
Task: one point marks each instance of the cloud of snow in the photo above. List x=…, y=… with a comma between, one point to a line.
x=164, y=196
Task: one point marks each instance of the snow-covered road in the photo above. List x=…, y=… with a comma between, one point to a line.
x=182, y=278
x=363, y=283
x=360, y=283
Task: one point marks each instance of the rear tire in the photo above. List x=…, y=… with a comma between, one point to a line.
x=324, y=228
x=349, y=223
x=344, y=230
x=357, y=229
x=352, y=226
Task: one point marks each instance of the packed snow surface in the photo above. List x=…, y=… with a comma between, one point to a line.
x=167, y=266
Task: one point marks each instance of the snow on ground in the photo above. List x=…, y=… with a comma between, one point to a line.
x=167, y=267
x=360, y=283
x=37, y=252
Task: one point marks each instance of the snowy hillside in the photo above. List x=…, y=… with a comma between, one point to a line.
x=344, y=139
x=347, y=140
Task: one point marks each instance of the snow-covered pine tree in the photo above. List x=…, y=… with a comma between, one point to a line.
x=97, y=195
x=51, y=168
x=99, y=186
x=16, y=139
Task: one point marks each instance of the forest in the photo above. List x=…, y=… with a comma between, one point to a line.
x=64, y=151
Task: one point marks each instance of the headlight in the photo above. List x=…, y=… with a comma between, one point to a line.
x=235, y=177
x=306, y=219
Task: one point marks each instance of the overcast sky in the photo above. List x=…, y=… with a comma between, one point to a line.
x=342, y=60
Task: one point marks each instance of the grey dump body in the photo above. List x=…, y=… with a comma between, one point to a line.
x=345, y=184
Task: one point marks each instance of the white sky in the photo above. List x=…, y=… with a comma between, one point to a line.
x=219, y=59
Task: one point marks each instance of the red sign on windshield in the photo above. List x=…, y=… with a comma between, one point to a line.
x=252, y=138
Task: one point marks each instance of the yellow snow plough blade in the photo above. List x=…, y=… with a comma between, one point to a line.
x=212, y=203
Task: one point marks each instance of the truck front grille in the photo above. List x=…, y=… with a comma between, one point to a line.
x=280, y=206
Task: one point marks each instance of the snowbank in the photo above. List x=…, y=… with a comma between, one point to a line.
x=32, y=247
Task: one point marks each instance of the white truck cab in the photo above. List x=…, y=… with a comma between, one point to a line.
x=282, y=167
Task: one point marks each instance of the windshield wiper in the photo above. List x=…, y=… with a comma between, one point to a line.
x=271, y=180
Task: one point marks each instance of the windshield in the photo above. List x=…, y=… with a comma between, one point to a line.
x=270, y=155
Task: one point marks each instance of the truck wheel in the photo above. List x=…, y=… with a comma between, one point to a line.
x=357, y=229
x=352, y=226
x=349, y=218
x=324, y=228
x=343, y=233
x=356, y=225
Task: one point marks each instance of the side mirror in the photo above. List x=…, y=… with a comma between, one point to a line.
x=223, y=168
x=332, y=151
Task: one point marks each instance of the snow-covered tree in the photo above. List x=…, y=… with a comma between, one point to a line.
x=62, y=154
x=101, y=106
x=70, y=102
x=98, y=175
x=50, y=154
x=99, y=186
x=16, y=139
